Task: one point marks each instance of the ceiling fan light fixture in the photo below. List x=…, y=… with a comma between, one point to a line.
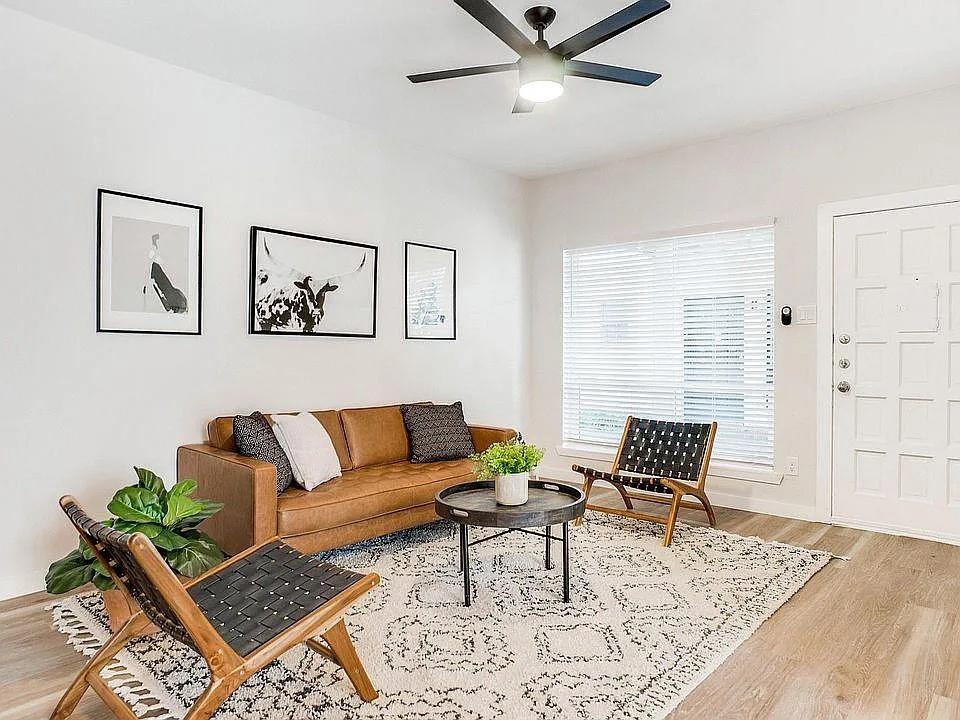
x=541, y=77
x=539, y=91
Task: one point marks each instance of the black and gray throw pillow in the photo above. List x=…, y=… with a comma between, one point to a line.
x=437, y=432
x=254, y=438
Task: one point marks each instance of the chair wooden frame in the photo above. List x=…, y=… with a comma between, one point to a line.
x=228, y=670
x=677, y=490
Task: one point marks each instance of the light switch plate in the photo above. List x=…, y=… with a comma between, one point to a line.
x=806, y=315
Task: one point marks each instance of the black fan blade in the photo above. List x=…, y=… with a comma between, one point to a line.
x=611, y=27
x=595, y=71
x=461, y=72
x=522, y=105
x=494, y=21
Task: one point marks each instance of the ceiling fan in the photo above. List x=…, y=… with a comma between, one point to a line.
x=543, y=68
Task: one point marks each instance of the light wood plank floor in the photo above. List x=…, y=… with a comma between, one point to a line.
x=875, y=637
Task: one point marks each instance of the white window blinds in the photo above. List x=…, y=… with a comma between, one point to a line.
x=679, y=328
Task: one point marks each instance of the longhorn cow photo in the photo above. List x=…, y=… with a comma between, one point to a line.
x=308, y=285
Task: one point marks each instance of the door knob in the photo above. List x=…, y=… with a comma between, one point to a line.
x=844, y=338
x=843, y=386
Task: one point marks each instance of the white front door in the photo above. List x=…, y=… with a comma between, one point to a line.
x=896, y=370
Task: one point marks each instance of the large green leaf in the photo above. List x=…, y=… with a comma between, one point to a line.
x=136, y=504
x=85, y=550
x=197, y=557
x=68, y=573
x=180, y=507
x=149, y=480
x=207, y=508
x=151, y=529
x=103, y=583
x=184, y=487
x=168, y=540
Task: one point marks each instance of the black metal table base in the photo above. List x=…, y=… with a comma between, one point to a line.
x=547, y=534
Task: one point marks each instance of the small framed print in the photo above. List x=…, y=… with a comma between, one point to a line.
x=430, y=292
x=149, y=265
x=308, y=285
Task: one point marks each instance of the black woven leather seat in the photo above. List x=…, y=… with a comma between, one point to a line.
x=255, y=599
x=639, y=482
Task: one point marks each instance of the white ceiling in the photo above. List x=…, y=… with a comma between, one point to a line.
x=727, y=65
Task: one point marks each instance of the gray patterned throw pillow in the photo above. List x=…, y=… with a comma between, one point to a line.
x=254, y=438
x=437, y=432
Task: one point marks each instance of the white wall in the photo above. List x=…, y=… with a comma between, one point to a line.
x=80, y=408
x=784, y=172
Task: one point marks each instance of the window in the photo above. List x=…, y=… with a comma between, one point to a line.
x=678, y=328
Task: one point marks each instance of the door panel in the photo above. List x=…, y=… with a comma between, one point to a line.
x=896, y=430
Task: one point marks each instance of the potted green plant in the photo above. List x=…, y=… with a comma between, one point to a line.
x=169, y=518
x=509, y=464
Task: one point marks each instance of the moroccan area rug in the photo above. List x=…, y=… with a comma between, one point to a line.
x=646, y=624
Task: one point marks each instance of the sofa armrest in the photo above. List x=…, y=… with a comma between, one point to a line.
x=484, y=436
x=246, y=487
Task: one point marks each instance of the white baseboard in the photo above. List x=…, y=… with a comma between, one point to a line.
x=736, y=502
x=12, y=586
x=895, y=530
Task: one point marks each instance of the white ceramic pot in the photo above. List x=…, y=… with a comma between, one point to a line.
x=512, y=489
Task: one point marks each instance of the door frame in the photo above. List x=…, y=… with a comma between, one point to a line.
x=826, y=215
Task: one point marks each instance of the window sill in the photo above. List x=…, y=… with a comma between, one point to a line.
x=718, y=468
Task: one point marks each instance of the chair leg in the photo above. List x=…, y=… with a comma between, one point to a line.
x=68, y=702
x=705, y=501
x=587, y=487
x=212, y=698
x=342, y=646
x=627, y=501
x=672, y=518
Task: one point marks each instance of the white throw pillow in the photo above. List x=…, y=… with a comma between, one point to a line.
x=310, y=449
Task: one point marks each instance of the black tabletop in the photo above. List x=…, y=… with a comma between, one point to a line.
x=475, y=503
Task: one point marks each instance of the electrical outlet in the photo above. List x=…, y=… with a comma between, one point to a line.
x=793, y=466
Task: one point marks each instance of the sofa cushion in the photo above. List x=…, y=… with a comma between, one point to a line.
x=366, y=493
x=220, y=434
x=437, y=432
x=375, y=435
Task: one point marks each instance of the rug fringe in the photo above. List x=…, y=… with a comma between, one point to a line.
x=87, y=635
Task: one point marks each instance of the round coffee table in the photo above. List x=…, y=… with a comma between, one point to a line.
x=549, y=504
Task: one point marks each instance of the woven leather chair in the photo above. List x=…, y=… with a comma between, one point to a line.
x=658, y=458
x=239, y=616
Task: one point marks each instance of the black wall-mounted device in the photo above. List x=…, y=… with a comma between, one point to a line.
x=786, y=315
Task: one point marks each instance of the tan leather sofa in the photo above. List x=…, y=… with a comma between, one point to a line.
x=379, y=492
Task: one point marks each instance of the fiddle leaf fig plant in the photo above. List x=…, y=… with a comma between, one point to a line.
x=167, y=517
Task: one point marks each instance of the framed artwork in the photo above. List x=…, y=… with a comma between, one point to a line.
x=149, y=265
x=307, y=285
x=430, y=292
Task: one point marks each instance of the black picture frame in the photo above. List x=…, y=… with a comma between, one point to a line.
x=406, y=291
x=252, y=326
x=101, y=194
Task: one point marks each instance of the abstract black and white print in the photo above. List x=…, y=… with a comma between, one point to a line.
x=307, y=285
x=430, y=292
x=646, y=624
x=149, y=265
